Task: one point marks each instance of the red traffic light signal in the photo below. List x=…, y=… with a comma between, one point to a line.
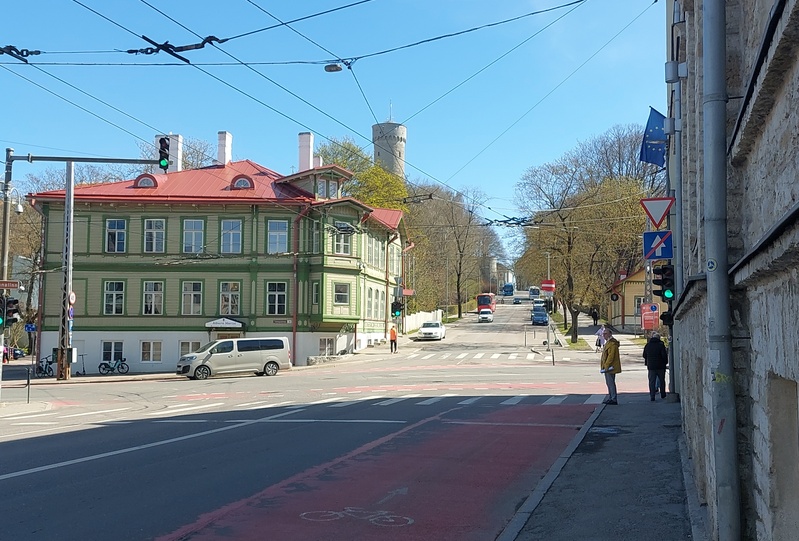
x=163, y=153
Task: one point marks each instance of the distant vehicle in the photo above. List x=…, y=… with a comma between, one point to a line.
x=485, y=315
x=17, y=353
x=517, y=300
x=539, y=316
x=507, y=290
x=487, y=300
x=534, y=293
x=539, y=302
x=432, y=330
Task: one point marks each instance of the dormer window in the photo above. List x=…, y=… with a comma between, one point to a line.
x=333, y=189
x=145, y=181
x=242, y=182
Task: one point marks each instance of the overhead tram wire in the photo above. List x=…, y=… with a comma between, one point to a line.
x=556, y=87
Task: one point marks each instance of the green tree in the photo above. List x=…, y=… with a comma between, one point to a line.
x=345, y=153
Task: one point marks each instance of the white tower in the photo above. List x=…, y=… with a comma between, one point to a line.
x=389, y=143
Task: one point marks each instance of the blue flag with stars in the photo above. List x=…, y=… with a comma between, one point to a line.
x=653, y=147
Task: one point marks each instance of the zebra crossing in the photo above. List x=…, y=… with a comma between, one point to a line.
x=518, y=356
x=58, y=417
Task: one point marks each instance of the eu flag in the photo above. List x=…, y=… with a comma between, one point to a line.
x=653, y=147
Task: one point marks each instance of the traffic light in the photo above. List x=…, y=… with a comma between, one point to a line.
x=2, y=310
x=667, y=318
x=163, y=153
x=396, y=309
x=11, y=311
x=665, y=280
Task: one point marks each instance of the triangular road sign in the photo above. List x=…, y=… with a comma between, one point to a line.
x=657, y=208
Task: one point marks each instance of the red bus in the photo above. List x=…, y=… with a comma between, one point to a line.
x=487, y=300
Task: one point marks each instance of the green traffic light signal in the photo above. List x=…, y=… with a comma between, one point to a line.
x=163, y=153
x=665, y=279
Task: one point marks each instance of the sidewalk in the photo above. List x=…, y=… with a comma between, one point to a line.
x=625, y=475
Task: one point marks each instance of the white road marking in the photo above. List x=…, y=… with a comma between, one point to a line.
x=478, y=355
x=595, y=399
x=531, y=356
x=512, y=356
x=512, y=401
x=554, y=400
x=471, y=400
x=58, y=465
x=495, y=356
x=93, y=413
x=461, y=356
x=428, y=356
x=179, y=409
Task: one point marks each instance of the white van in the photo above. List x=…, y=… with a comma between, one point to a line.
x=231, y=355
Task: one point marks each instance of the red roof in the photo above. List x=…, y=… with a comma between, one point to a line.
x=389, y=217
x=210, y=184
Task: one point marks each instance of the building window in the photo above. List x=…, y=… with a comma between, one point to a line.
x=151, y=352
x=341, y=294
x=321, y=189
x=115, y=236
x=382, y=313
x=369, y=306
x=316, y=235
x=193, y=233
x=112, y=351
x=192, y=299
x=276, y=298
x=154, y=236
x=231, y=237
x=229, y=296
x=341, y=241
x=638, y=302
x=153, y=298
x=333, y=189
x=327, y=346
x=114, y=298
x=277, y=236
x=187, y=347
x=315, y=293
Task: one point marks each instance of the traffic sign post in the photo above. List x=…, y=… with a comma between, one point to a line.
x=547, y=288
x=649, y=317
x=658, y=245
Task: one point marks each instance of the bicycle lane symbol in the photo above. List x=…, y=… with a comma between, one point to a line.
x=377, y=518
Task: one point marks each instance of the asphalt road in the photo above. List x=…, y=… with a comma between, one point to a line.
x=441, y=441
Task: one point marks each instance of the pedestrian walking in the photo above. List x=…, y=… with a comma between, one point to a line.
x=656, y=359
x=392, y=337
x=600, y=339
x=595, y=316
x=610, y=365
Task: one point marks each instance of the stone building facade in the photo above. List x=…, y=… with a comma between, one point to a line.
x=762, y=137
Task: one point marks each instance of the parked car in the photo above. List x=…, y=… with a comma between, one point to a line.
x=17, y=353
x=539, y=316
x=485, y=315
x=261, y=356
x=432, y=330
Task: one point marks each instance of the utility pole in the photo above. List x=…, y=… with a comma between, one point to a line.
x=68, y=297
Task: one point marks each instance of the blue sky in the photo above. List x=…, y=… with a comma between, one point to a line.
x=570, y=75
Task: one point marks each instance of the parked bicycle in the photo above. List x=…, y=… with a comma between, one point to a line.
x=44, y=368
x=118, y=364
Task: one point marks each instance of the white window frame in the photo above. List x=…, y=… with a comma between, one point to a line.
x=342, y=244
x=193, y=239
x=154, y=236
x=119, y=244
x=639, y=300
x=230, y=241
x=316, y=237
x=112, y=350
x=151, y=351
x=195, y=308
x=114, y=298
x=315, y=293
x=229, y=298
x=188, y=346
x=327, y=346
x=277, y=235
x=369, y=304
x=277, y=298
x=153, y=298
x=341, y=293
x=332, y=189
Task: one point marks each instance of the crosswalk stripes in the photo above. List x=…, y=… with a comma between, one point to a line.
x=554, y=400
x=512, y=401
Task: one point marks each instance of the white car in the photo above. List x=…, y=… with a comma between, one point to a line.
x=432, y=330
x=485, y=315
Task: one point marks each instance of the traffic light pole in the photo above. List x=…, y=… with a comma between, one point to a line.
x=65, y=328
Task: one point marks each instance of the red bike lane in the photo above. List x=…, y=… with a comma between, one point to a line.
x=445, y=477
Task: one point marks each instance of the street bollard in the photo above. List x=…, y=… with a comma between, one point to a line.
x=28, y=369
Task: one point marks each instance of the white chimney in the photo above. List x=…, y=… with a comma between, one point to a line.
x=306, y=151
x=224, y=149
x=317, y=161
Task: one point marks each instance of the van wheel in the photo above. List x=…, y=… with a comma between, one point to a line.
x=271, y=368
x=202, y=372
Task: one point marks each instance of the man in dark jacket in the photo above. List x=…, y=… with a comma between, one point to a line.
x=656, y=359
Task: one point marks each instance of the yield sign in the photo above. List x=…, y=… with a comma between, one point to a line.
x=657, y=208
